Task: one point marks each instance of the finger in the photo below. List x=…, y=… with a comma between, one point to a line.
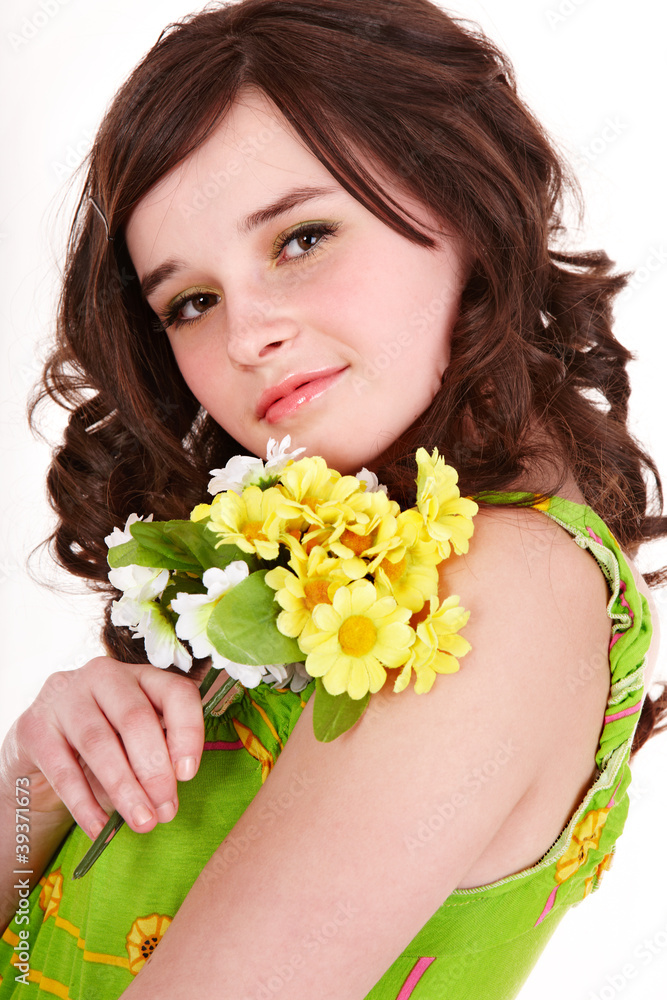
x=62, y=770
x=135, y=720
x=91, y=735
x=177, y=699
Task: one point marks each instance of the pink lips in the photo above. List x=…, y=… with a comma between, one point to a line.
x=281, y=400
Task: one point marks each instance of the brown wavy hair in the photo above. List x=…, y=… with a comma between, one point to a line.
x=433, y=103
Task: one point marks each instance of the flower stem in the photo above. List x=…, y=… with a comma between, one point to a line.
x=116, y=820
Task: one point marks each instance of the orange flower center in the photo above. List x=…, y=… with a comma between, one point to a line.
x=316, y=592
x=253, y=531
x=357, y=635
x=358, y=543
x=394, y=570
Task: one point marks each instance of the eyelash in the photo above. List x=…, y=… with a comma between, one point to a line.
x=323, y=230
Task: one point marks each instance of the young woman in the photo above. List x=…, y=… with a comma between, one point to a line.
x=366, y=266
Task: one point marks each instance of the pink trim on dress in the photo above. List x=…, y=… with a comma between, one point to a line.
x=625, y=604
x=550, y=902
x=611, y=802
x=596, y=538
x=418, y=971
x=621, y=715
x=223, y=745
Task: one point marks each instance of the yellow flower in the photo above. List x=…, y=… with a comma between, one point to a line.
x=200, y=512
x=318, y=495
x=144, y=937
x=363, y=544
x=51, y=894
x=586, y=837
x=409, y=571
x=437, y=645
x=445, y=513
x=250, y=521
x=350, y=642
x=311, y=581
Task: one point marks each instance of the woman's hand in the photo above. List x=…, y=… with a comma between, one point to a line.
x=93, y=740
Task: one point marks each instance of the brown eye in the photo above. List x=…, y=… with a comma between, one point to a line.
x=305, y=241
x=196, y=305
x=189, y=309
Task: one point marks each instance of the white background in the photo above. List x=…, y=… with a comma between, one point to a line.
x=593, y=71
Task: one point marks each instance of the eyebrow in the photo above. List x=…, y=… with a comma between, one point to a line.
x=286, y=202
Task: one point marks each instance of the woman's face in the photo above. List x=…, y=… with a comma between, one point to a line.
x=293, y=309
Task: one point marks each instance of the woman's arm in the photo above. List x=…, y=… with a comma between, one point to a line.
x=347, y=853
x=92, y=741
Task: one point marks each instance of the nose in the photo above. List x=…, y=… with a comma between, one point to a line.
x=257, y=328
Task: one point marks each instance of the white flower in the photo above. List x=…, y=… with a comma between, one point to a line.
x=240, y=471
x=243, y=470
x=118, y=537
x=276, y=675
x=371, y=480
x=150, y=623
x=249, y=674
x=139, y=583
x=162, y=646
x=277, y=455
x=279, y=675
x=127, y=612
x=194, y=610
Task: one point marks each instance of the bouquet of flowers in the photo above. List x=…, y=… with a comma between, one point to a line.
x=295, y=572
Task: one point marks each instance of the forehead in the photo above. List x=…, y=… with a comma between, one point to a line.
x=252, y=155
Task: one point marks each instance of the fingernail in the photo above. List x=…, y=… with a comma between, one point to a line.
x=166, y=812
x=185, y=768
x=141, y=814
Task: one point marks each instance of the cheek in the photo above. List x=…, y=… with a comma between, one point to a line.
x=203, y=369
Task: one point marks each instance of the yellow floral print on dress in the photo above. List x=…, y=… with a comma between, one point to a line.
x=586, y=836
x=604, y=866
x=144, y=937
x=51, y=894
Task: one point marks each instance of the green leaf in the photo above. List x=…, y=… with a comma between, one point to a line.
x=151, y=551
x=187, y=546
x=243, y=626
x=134, y=554
x=335, y=714
x=196, y=537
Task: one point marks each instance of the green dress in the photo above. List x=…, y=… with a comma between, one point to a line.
x=87, y=939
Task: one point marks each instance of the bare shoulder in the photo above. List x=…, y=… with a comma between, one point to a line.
x=540, y=637
x=537, y=605
x=525, y=550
